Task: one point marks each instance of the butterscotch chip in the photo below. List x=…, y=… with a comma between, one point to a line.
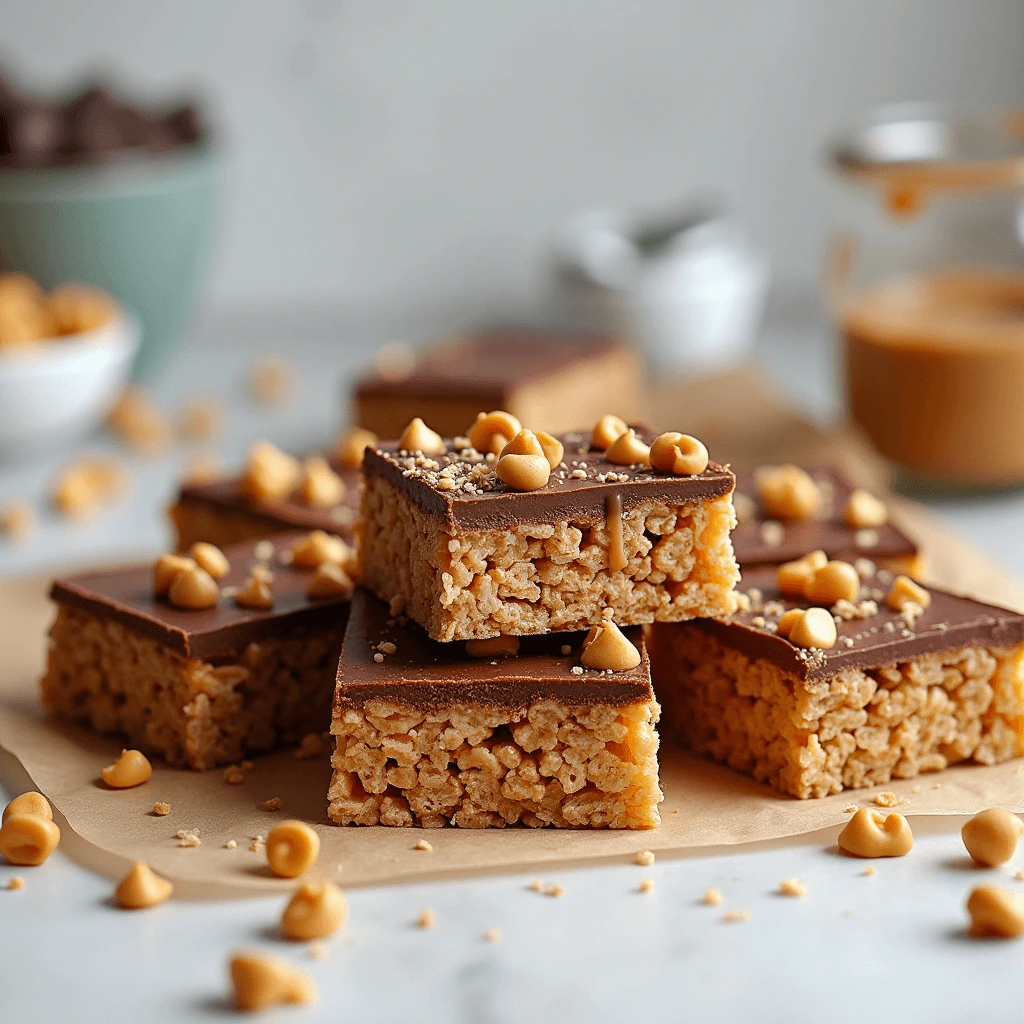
x=905, y=591
x=15, y=882
x=131, y=769
x=269, y=475
x=736, y=916
x=792, y=887
x=256, y=592
x=140, y=888
x=351, y=446
x=211, y=558
x=607, y=647
x=607, y=429
x=711, y=897
x=24, y=314
x=494, y=647
x=788, y=620
x=991, y=837
x=869, y=834
x=83, y=488
x=554, y=890
x=536, y=885
x=28, y=839
x=29, y=803
x=524, y=443
x=427, y=918
x=194, y=588
x=833, y=582
x=315, y=910
x=17, y=520
x=320, y=486
x=677, y=453
x=523, y=472
x=272, y=381
x=815, y=629
x=646, y=885
x=628, y=450
x=329, y=581
x=553, y=448
x=792, y=578
x=259, y=980
x=995, y=913
x=418, y=437
x=139, y=423
x=788, y=493
x=493, y=430
x=864, y=511
x=161, y=809
x=292, y=847
x=318, y=548
x=201, y=419
x=645, y=858
x=74, y=308
x=492, y=935
x=167, y=569
x=203, y=469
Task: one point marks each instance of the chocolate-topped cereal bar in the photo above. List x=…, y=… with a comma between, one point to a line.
x=552, y=381
x=786, y=511
x=519, y=730
x=816, y=693
x=548, y=535
x=275, y=493
x=200, y=659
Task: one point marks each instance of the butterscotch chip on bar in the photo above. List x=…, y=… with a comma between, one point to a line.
x=477, y=559
x=434, y=737
x=17, y=520
x=884, y=702
x=197, y=686
x=548, y=382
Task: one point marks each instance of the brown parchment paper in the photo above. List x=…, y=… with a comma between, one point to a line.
x=705, y=805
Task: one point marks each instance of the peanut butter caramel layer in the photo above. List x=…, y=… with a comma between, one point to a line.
x=760, y=539
x=126, y=596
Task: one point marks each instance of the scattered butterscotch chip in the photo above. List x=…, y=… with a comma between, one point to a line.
x=711, y=897
x=17, y=520
x=427, y=918
x=1019, y=875
x=736, y=916
x=75, y=308
x=131, y=769
x=15, y=882
x=536, y=885
x=210, y=557
x=351, y=446
x=904, y=590
x=233, y=775
x=273, y=804
x=995, y=913
x=28, y=839
x=311, y=747
x=81, y=489
x=319, y=548
x=680, y=454
x=869, y=870
x=29, y=803
x=141, y=888
x=792, y=578
x=788, y=493
x=201, y=418
x=523, y=472
x=203, y=469
x=418, y=437
x=139, y=423
x=864, y=511
x=315, y=910
x=815, y=629
x=886, y=799
x=256, y=592
x=317, y=950
x=195, y=589
x=167, y=569
x=606, y=431
x=269, y=474
x=833, y=582
x=991, y=837
x=628, y=450
x=272, y=381
x=188, y=838
x=607, y=647
x=492, y=431
x=292, y=847
x=231, y=844
x=792, y=887
x=319, y=486
x=329, y=581
x=646, y=885
x=161, y=809
x=645, y=858
x=492, y=935
x=259, y=980
x=552, y=448
x=424, y=845
x=869, y=834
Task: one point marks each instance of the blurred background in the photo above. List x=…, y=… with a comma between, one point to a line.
x=393, y=172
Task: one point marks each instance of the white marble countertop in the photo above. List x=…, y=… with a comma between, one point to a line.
x=855, y=947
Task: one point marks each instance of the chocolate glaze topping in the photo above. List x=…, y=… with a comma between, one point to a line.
x=565, y=498
x=495, y=363
x=126, y=596
x=286, y=514
x=428, y=675
x=827, y=532
x=948, y=624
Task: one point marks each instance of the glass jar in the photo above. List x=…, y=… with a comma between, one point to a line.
x=925, y=279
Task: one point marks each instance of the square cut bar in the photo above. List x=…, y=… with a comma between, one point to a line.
x=552, y=382
x=221, y=514
x=429, y=736
x=198, y=688
x=478, y=560
x=886, y=702
x=760, y=540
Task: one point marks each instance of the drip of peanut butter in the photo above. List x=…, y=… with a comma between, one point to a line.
x=613, y=516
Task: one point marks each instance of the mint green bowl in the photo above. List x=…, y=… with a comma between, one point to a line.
x=141, y=228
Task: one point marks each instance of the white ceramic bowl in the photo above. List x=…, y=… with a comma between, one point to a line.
x=53, y=392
